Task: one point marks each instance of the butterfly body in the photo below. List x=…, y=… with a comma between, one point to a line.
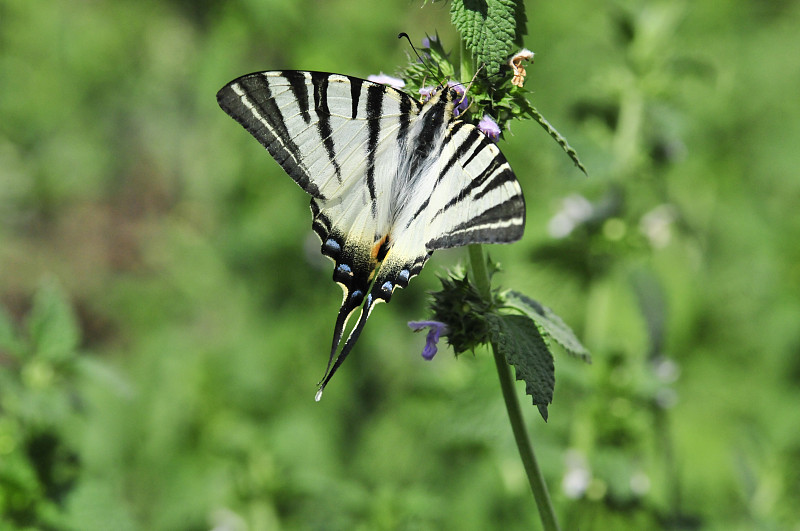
x=390, y=179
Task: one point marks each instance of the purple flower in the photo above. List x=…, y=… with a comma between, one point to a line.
x=426, y=41
x=436, y=330
x=489, y=127
x=427, y=92
x=458, y=87
x=463, y=103
x=387, y=80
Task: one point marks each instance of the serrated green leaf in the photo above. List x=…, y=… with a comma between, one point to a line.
x=517, y=338
x=489, y=29
x=549, y=323
x=52, y=324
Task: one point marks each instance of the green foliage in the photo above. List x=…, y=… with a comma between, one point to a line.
x=518, y=339
x=531, y=112
x=473, y=320
x=495, y=96
x=39, y=463
x=459, y=305
x=490, y=29
x=418, y=74
x=52, y=327
x=548, y=323
x=181, y=249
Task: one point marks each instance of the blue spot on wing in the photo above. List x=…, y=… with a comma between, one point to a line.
x=332, y=246
x=344, y=268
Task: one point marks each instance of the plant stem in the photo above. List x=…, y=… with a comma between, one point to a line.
x=535, y=478
x=480, y=276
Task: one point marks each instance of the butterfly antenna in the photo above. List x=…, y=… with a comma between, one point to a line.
x=474, y=77
x=469, y=86
x=404, y=35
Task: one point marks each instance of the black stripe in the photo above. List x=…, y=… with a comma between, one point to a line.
x=490, y=168
x=455, y=200
x=320, y=82
x=472, y=136
x=374, y=101
x=257, y=91
x=405, y=120
x=419, y=263
x=355, y=95
x=477, y=183
x=431, y=122
x=424, y=143
x=480, y=147
x=498, y=180
x=298, y=84
x=419, y=211
x=460, y=151
x=319, y=222
x=513, y=207
x=321, y=229
x=375, y=95
x=475, y=231
x=274, y=136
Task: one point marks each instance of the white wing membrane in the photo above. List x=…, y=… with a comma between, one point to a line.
x=391, y=180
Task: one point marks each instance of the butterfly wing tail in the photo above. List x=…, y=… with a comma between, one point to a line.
x=333, y=366
x=392, y=274
x=352, y=301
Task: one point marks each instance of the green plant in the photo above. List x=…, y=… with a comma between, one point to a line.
x=39, y=401
x=466, y=310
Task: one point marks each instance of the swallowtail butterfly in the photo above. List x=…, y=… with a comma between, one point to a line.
x=391, y=179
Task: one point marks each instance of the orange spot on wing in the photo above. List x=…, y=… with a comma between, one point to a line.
x=380, y=248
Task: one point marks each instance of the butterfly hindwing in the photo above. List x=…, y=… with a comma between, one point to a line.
x=391, y=179
x=477, y=198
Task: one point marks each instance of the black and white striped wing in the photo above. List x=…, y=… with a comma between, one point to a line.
x=468, y=195
x=338, y=137
x=325, y=130
x=391, y=180
x=475, y=196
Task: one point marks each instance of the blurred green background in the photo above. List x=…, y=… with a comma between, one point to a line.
x=166, y=313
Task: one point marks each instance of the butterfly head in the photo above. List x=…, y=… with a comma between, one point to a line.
x=456, y=94
x=453, y=94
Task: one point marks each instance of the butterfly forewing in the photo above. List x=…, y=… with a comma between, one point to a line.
x=391, y=179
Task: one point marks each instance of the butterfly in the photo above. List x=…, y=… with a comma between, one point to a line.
x=391, y=179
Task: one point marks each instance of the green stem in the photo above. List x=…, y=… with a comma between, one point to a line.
x=480, y=276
